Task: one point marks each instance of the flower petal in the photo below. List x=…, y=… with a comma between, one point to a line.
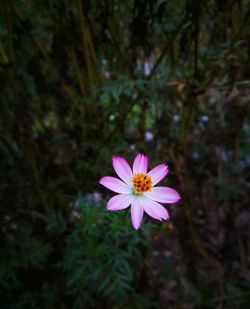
x=122, y=169
x=154, y=209
x=120, y=201
x=140, y=164
x=163, y=195
x=115, y=184
x=158, y=173
x=136, y=213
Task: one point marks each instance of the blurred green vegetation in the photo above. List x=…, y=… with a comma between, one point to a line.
x=84, y=80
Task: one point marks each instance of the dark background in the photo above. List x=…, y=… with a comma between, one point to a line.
x=81, y=81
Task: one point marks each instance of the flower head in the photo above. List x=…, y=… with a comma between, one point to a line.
x=136, y=187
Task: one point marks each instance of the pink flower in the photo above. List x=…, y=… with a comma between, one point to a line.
x=137, y=188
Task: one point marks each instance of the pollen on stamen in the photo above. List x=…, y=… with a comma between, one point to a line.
x=142, y=182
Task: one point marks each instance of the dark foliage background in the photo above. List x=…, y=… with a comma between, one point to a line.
x=81, y=81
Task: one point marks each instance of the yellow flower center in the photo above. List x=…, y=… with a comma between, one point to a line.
x=141, y=183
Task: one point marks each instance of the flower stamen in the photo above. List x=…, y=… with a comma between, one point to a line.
x=141, y=183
